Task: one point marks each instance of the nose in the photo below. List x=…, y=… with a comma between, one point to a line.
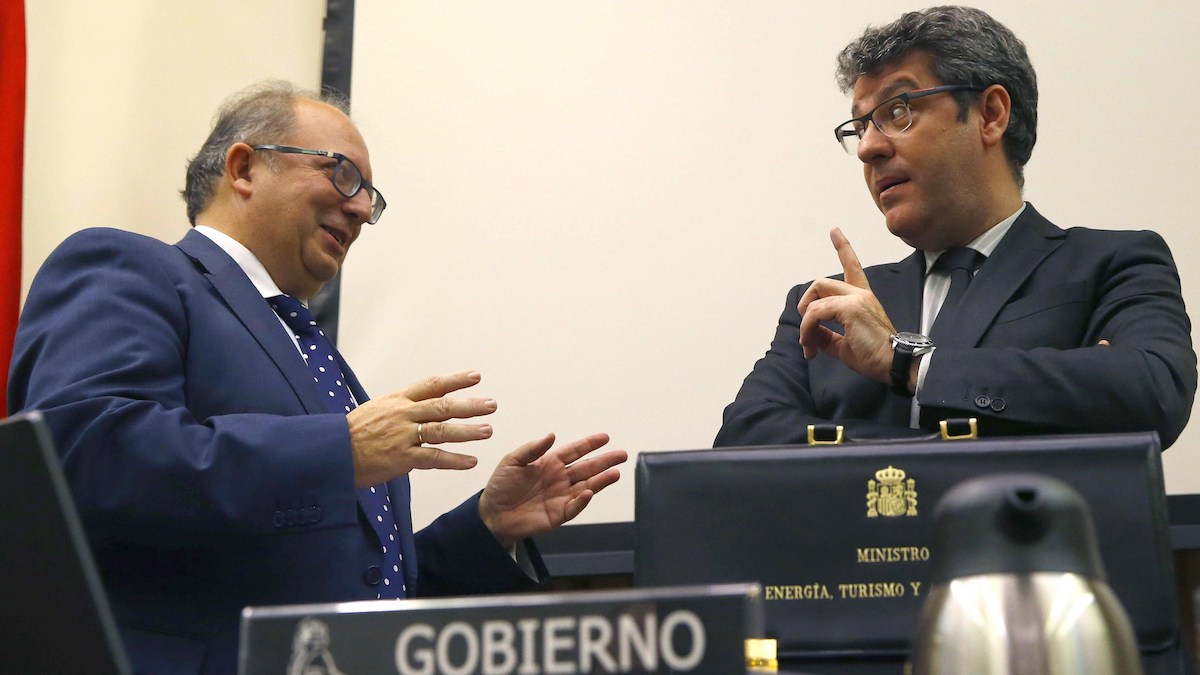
x=873, y=145
x=359, y=206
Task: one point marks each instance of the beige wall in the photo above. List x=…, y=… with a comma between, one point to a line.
x=600, y=205
x=121, y=94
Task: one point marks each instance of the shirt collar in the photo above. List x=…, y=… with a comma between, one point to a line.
x=246, y=260
x=984, y=243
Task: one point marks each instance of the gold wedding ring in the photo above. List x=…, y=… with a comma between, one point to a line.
x=420, y=434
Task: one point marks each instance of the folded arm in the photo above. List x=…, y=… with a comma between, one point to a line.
x=1143, y=379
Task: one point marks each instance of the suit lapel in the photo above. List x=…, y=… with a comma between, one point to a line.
x=1026, y=245
x=899, y=289
x=356, y=388
x=255, y=314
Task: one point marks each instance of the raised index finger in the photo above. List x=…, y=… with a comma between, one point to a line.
x=851, y=267
x=440, y=385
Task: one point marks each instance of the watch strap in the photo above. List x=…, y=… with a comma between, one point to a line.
x=906, y=346
x=902, y=356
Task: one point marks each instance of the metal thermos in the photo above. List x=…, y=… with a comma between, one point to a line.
x=1018, y=586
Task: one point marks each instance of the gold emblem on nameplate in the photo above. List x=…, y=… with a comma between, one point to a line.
x=891, y=494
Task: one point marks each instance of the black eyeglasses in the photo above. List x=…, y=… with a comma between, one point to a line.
x=346, y=177
x=892, y=117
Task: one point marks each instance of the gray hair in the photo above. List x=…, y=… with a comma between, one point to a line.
x=968, y=47
x=262, y=113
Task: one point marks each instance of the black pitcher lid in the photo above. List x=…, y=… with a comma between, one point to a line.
x=1015, y=524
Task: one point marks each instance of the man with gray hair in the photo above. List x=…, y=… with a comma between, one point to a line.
x=221, y=452
x=998, y=314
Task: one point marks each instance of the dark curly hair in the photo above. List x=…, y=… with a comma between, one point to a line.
x=968, y=47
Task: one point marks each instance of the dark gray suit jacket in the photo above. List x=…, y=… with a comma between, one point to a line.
x=1023, y=356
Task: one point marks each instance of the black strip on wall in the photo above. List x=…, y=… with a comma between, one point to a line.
x=336, y=61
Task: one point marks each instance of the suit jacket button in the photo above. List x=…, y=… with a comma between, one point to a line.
x=998, y=404
x=373, y=576
x=278, y=519
x=314, y=514
x=983, y=401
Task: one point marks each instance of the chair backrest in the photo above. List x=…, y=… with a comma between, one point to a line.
x=54, y=615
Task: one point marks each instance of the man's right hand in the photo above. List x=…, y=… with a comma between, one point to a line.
x=383, y=431
x=866, y=346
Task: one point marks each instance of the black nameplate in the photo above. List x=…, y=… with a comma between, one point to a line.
x=698, y=629
x=841, y=537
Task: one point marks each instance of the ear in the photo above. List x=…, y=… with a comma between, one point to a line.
x=994, y=109
x=239, y=159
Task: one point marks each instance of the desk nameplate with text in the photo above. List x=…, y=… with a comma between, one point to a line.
x=699, y=629
x=841, y=537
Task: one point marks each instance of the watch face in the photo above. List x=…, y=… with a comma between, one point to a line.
x=914, y=340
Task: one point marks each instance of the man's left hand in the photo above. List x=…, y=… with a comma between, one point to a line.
x=534, y=490
x=866, y=347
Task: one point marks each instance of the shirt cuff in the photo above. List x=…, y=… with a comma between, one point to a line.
x=519, y=552
x=922, y=369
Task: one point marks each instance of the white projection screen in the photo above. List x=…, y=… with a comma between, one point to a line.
x=602, y=205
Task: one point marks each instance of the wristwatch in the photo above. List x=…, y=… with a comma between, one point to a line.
x=906, y=346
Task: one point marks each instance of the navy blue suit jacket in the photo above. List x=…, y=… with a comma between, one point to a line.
x=1022, y=357
x=204, y=464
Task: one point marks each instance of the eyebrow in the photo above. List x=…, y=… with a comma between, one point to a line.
x=893, y=90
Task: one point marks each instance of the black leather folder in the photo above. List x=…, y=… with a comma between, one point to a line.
x=840, y=537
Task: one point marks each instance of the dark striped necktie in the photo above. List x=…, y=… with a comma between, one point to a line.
x=960, y=264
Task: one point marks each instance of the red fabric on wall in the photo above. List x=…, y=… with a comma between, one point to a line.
x=12, y=155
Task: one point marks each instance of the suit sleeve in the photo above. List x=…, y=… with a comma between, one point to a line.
x=458, y=555
x=1145, y=380
x=102, y=350
x=778, y=401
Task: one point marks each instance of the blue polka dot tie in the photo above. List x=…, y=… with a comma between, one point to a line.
x=329, y=379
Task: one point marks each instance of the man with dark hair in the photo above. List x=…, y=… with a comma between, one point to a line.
x=220, y=451
x=998, y=314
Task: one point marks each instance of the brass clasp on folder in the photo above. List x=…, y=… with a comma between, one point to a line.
x=761, y=653
x=825, y=434
x=958, y=429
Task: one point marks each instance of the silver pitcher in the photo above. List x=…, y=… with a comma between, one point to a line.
x=1018, y=586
